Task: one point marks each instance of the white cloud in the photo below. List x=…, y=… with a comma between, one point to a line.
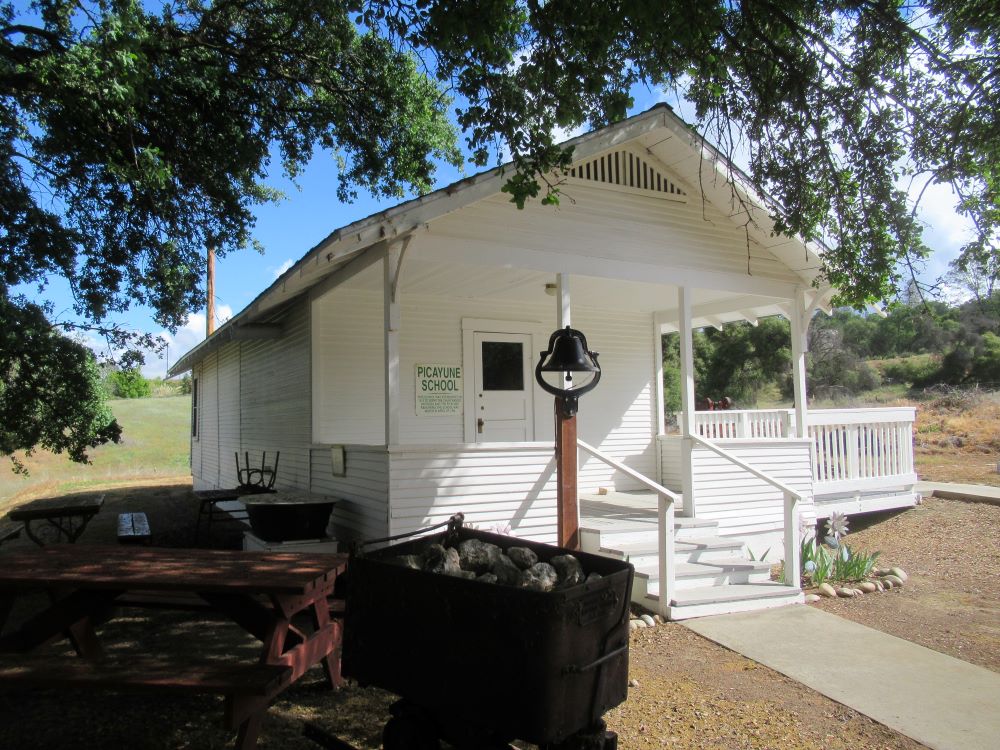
x=282, y=268
x=187, y=338
x=945, y=230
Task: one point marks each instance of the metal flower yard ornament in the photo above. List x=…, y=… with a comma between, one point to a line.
x=836, y=527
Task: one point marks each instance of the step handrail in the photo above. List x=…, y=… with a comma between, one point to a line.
x=764, y=476
x=665, y=501
x=642, y=479
x=792, y=497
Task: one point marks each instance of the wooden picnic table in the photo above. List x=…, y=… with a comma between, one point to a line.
x=261, y=592
x=68, y=515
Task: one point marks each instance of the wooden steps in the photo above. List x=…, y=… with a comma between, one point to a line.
x=712, y=574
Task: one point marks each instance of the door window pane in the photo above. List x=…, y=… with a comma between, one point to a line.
x=503, y=368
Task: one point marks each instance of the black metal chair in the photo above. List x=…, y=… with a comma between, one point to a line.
x=260, y=479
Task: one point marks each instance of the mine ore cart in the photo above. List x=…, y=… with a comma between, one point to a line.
x=479, y=664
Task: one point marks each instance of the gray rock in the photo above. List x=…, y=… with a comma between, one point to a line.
x=845, y=593
x=568, y=569
x=825, y=589
x=438, y=559
x=477, y=556
x=648, y=620
x=633, y=683
x=416, y=562
x=810, y=598
x=507, y=573
x=900, y=574
x=523, y=557
x=539, y=577
x=640, y=624
x=893, y=579
x=487, y=578
x=633, y=624
x=868, y=587
x=594, y=577
x=887, y=584
x=879, y=585
x=459, y=573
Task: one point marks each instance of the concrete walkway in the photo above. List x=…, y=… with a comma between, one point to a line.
x=976, y=492
x=941, y=702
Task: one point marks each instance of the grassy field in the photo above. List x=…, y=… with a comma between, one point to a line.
x=155, y=446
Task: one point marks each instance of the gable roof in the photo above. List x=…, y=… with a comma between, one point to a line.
x=680, y=148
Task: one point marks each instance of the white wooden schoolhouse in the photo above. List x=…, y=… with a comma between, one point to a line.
x=392, y=367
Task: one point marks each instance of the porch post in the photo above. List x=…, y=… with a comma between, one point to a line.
x=686, y=333
x=391, y=266
x=800, y=327
x=661, y=425
x=567, y=500
x=564, y=313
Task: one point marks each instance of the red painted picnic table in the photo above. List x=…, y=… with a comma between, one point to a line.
x=261, y=592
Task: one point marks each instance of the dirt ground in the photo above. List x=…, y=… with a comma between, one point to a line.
x=688, y=693
x=951, y=602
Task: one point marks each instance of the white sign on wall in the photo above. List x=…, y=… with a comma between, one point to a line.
x=439, y=390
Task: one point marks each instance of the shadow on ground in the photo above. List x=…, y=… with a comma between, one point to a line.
x=40, y=719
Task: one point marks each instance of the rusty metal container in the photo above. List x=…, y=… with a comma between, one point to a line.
x=490, y=662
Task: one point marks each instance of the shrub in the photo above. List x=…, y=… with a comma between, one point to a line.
x=128, y=384
x=911, y=370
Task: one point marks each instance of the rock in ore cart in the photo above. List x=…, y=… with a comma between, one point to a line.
x=480, y=663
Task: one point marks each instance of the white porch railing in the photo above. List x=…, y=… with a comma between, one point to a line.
x=857, y=449
x=744, y=423
x=852, y=449
x=792, y=498
x=664, y=522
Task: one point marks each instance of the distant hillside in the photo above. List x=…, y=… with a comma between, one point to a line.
x=155, y=444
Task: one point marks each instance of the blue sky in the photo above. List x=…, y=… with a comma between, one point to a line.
x=311, y=211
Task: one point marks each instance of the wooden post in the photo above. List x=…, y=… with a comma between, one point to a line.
x=210, y=294
x=567, y=509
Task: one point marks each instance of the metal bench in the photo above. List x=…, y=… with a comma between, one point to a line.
x=248, y=688
x=133, y=528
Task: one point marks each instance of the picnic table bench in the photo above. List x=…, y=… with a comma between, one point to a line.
x=133, y=528
x=9, y=531
x=261, y=592
x=67, y=515
x=247, y=688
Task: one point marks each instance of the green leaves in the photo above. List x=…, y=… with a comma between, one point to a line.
x=50, y=389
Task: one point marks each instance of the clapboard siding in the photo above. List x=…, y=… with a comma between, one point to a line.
x=618, y=416
x=275, y=379
x=254, y=396
x=741, y=502
x=671, y=471
x=208, y=417
x=613, y=226
x=361, y=511
x=493, y=486
x=348, y=366
x=229, y=413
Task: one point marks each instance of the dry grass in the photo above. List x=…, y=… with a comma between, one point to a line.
x=957, y=438
x=154, y=448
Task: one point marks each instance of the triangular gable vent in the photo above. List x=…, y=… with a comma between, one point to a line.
x=625, y=169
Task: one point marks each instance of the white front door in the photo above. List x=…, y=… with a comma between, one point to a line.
x=503, y=387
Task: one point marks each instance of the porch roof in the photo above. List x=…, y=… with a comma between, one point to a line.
x=658, y=132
